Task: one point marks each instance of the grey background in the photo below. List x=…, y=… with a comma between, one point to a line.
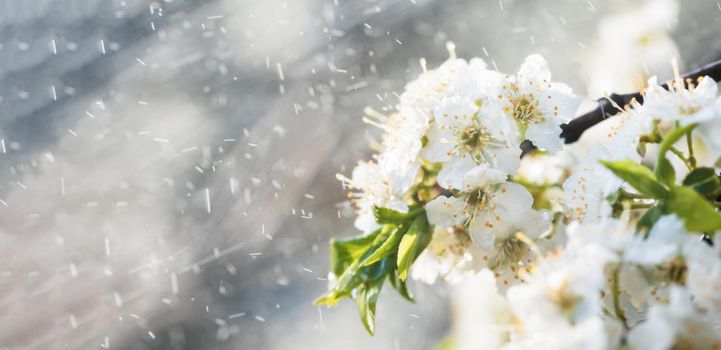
x=122, y=120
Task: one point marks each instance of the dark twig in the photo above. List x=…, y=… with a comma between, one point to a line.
x=575, y=128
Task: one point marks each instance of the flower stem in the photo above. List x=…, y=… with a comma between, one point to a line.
x=689, y=144
x=641, y=205
x=623, y=194
x=681, y=156
x=616, y=290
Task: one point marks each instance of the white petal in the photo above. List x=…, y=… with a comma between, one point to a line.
x=669, y=228
x=458, y=79
x=711, y=132
x=558, y=103
x=365, y=174
x=440, y=145
x=649, y=253
x=658, y=102
x=482, y=176
x=505, y=157
x=586, y=189
x=705, y=91
x=652, y=335
x=490, y=81
x=664, y=242
x=445, y=211
x=535, y=223
x=545, y=135
x=400, y=179
x=366, y=222
x=483, y=229
x=512, y=202
x=455, y=112
x=498, y=124
x=534, y=69
x=425, y=269
x=477, y=64
x=452, y=173
x=703, y=115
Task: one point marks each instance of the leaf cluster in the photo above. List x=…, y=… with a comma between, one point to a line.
x=363, y=263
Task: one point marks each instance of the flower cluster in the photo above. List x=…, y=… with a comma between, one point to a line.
x=606, y=243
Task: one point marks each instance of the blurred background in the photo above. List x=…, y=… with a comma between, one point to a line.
x=167, y=168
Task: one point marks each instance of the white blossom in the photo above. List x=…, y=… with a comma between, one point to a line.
x=449, y=256
x=484, y=319
x=372, y=188
x=514, y=251
x=559, y=307
x=704, y=275
x=488, y=206
x=468, y=133
x=675, y=325
x=455, y=77
x=687, y=103
x=683, y=102
x=401, y=146
x=537, y=104
x=586, y=192
x=544, y=169
x=405, y=129
x=663, y=243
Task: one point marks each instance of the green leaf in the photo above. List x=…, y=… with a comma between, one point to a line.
x=365, y=299
x=366, y=295
x=664, y=172
x=389, y=216
x=638, y=176
x=412, y=244
x=354, y=277
x=363, y=263
x=398, y=284
x=649, y=218
x=344, y=251
x=696, y=212
x=346, y=257
x=703, y=180
x=672, y=138
x=347, y=281
x=387, y=246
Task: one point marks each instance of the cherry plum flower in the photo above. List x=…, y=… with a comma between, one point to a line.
x=488, y=206
x=469, y=133
x=372, y=188
x=676, y=325
x=537, y=104
x=687, y=102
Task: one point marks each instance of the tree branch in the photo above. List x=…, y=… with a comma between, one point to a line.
x=575, y=128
